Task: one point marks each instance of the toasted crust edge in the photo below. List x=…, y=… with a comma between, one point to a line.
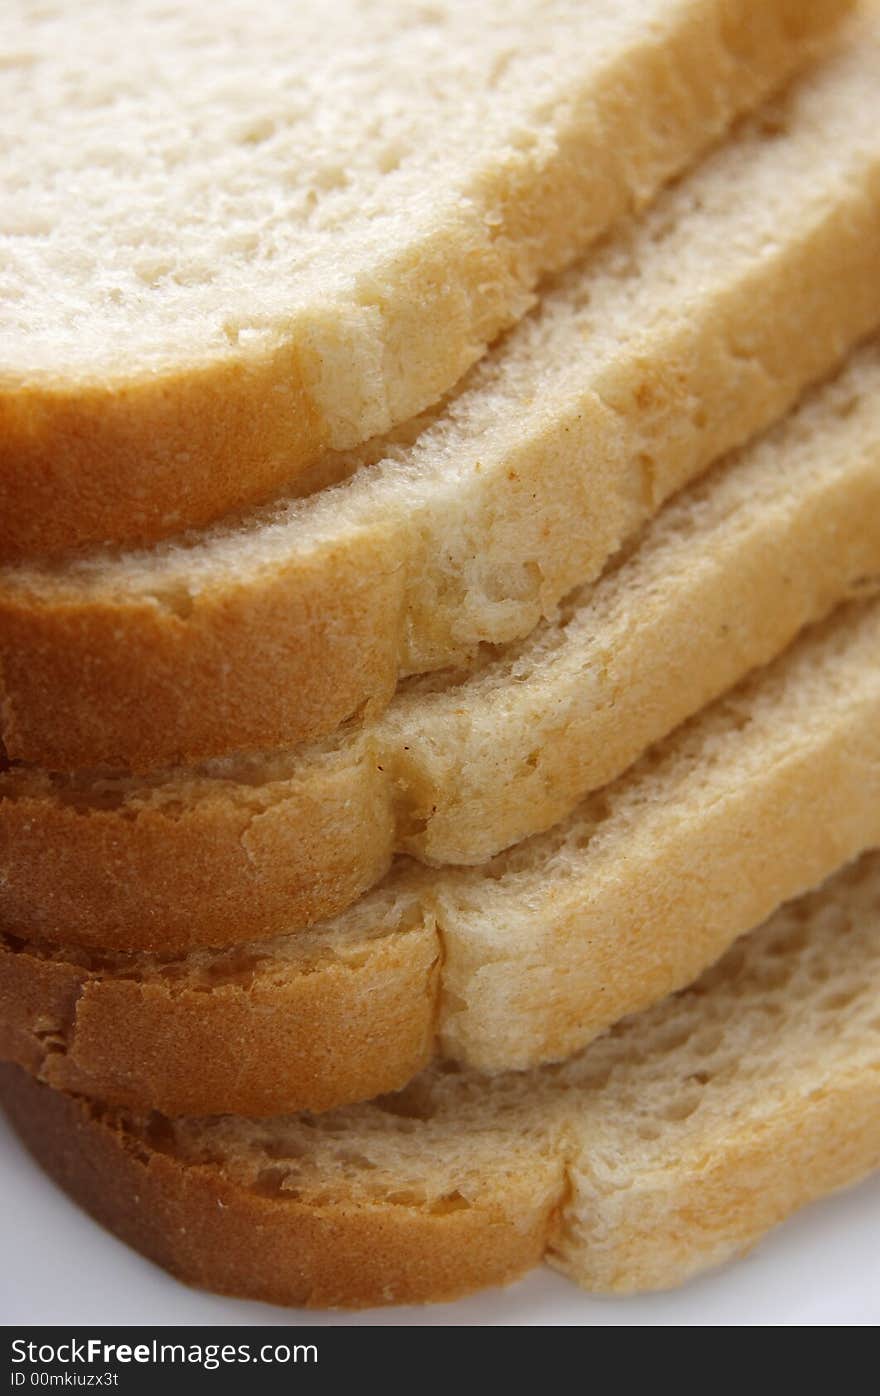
x=333, y=1033
x=213, y=1234
x=228, y=864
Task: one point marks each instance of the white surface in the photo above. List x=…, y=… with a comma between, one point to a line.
x=823, y=1267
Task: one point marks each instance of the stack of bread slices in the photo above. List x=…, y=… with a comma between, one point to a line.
x=439, y=624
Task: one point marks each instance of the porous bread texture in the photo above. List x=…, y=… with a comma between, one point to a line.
x=672, y=1144
x=519, y=962
x=687, y=333
x=250, y=847
x=230, y=246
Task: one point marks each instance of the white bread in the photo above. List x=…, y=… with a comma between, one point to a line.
x=672, y=1144
x=230, y=245
x=684, y=335
x=518, y=962
x=247, y=848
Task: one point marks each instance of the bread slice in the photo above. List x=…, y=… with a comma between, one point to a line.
x=230, y=246
x=245, y=848
x=518, y=962
x=686, y=334
x=672, y=1144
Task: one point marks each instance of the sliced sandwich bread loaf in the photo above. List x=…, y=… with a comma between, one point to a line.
x=230, y=245
x=672, y=1144
x=521, y=961
x=687, y=333
x=250, y=847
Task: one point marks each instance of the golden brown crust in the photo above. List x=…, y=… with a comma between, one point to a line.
x=228, y=864
x=256, y=1044
x=210, y=1232
x=137, y=460
x=298, y=650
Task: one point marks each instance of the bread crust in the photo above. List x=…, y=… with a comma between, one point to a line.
x=197, y=861
x=254, y=1044
x=136, y=459
x=214, y=865
x=203, y=1228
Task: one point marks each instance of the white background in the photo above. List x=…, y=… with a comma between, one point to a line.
x=823, y=1267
